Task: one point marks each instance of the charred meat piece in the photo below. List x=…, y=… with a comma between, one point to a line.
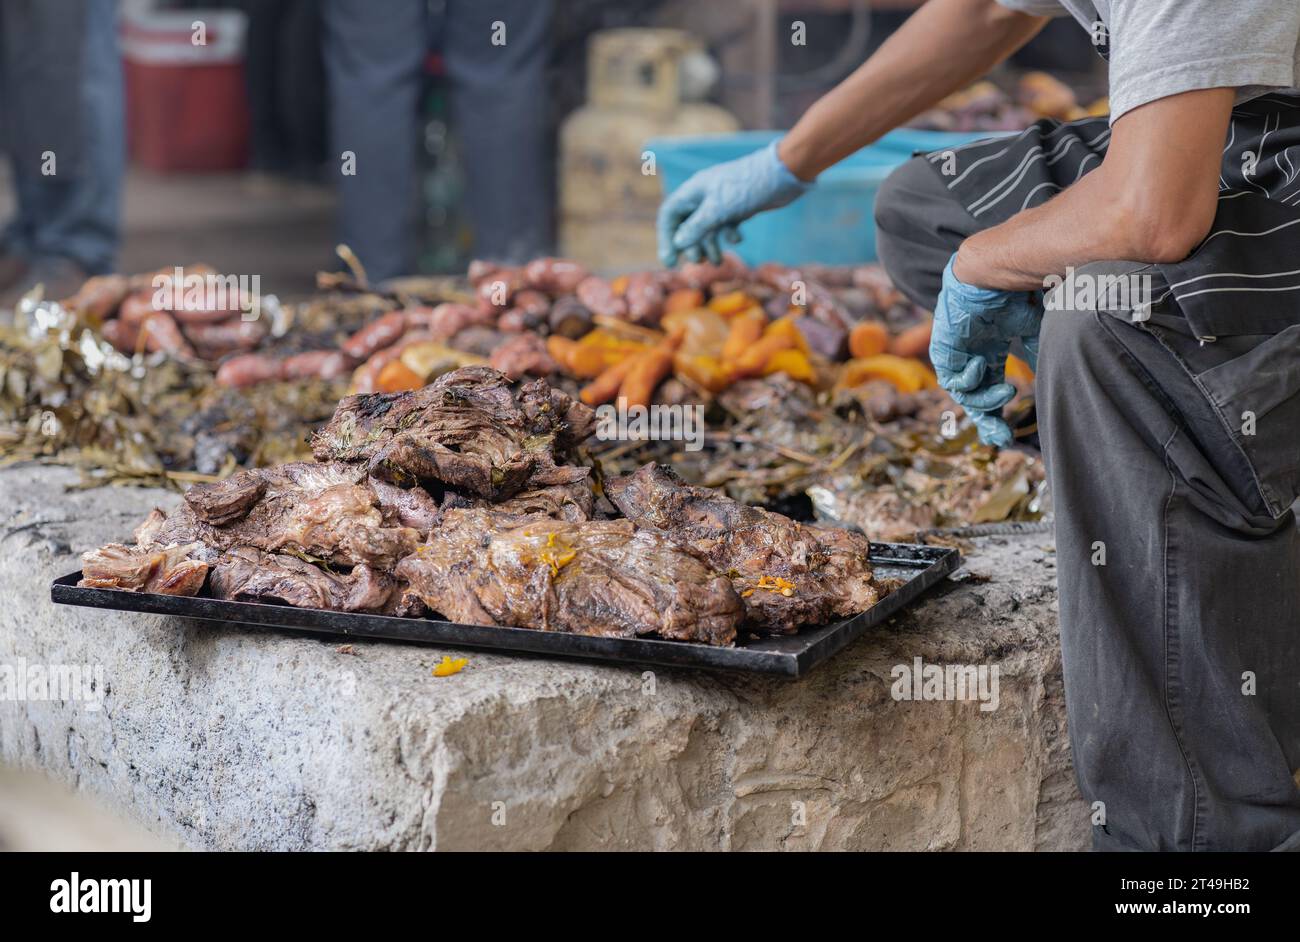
x=573, y=501
x=165, y=570
x=326, y=510
x=246, y=574
x=469, y=430
x=410, y=507
x=788, y=573
x=599, y=577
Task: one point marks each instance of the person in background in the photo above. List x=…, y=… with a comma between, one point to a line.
x=1169, y=421
x=495, y=55
x=64, y=133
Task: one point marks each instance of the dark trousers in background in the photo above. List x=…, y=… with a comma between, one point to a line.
x=1182, y=652
x=374, y=58
x=61, y=93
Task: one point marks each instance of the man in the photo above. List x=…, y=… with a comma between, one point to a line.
x=1171, y=425
x=64, y=132
x=495, y=54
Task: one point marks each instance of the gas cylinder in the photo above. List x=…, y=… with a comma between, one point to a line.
x=641, y=84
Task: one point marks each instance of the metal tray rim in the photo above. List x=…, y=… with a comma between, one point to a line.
x=789, y=656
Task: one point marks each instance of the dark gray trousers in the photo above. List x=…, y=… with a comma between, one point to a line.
x=374, y=59
x=1172, y=464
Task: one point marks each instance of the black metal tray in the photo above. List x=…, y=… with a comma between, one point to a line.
x=792, y=656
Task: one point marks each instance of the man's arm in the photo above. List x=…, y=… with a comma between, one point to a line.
x=943, y=47
x=1153, y=199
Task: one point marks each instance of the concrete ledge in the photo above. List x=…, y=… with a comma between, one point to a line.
x=221, y=737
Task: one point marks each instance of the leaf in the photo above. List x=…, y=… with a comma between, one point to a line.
x=450, y=666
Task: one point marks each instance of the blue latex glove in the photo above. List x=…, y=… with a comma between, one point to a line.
x=714, y=201
x=973, y=330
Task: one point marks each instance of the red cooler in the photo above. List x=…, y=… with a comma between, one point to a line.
x=186, y=101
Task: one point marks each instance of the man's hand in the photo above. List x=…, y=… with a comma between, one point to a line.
x=973, y=331
x=717, y=199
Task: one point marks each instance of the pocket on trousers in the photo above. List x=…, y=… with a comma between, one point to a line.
x=1258, y=395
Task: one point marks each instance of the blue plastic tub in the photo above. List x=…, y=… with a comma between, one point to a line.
x=833, y=223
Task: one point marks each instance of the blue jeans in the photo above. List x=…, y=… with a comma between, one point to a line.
x=74, y=212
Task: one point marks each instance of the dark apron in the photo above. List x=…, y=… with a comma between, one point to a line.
x=1239, y=287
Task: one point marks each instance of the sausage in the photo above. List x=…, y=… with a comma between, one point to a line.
x=316, y=364
x=554, y=275
x=136, y=309
x=644, y=298
x=214, y=340
x=366, y=377
x=248, y=370
x=447, y=319
x=598, y=296
x=160, y=332
x=525, y=353
x=376, y=335
x=100, y=296
x=121, y=335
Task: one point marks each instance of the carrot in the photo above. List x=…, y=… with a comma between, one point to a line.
x=913, y=342
x=605, y=386
x=745, y=330
x=683, y=299
x=754, y=360
x=868, y=338
x=647, y=371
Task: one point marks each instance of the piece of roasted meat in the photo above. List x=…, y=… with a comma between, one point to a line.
x=165, y=570
x=789, y=574
x=246, y=574
x=597, y=577
x=327, y=510
x=470, y=431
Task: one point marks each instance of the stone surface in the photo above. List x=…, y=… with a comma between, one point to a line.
x=222, y=737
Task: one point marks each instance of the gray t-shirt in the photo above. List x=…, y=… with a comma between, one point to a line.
x=1160, y=48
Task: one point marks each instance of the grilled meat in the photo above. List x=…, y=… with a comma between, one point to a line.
x=326, y=510
x=246, y=574
x=469, y=430
x=789, y=574
x=152, y=567
x=598, y=577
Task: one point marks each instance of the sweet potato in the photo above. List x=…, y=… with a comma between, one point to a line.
x=398, y=377
x=683, y=299
x=1018, y=370
x=868, y=339
x=794, y=363
x=913, y=342
x=907, y=374
x=746, y=329
x=702, y=371
x=731, y=303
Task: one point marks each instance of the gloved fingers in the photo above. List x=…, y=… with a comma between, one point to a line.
x=992, y=428
x=674, y=210
x=703, y=222
x=731, y=234
x=989, y=398
x=710, y=245
x=1031, y=351
x=693, y=254
x=965, y=378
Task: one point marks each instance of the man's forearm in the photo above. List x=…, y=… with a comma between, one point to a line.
x=943, y=47
x=1152, y=200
